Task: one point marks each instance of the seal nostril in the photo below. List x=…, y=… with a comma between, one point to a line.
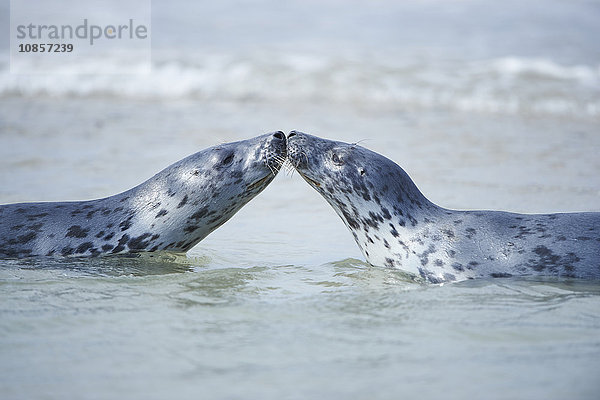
x=279, y=135
x=292, y=133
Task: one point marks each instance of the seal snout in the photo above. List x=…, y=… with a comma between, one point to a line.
x=274, y=152
x=279, y=135
x=295, y=152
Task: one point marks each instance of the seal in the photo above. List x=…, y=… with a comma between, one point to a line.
x=396, y=226
x=172, y=211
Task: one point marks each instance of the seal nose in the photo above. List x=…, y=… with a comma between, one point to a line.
x=292, y=133
x=279, y=135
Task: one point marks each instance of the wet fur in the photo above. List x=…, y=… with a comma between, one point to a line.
x=173, y=210
x=396, y=226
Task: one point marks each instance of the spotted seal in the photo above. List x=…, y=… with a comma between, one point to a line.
x=396, y=226
x=171, y=211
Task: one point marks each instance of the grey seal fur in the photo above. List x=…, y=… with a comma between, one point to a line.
x=396, y=226
x=172, y=211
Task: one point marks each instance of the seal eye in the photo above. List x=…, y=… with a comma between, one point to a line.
x=336, y=159
x=228, y=159
x=361, y=171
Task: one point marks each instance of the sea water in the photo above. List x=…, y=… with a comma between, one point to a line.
x=486, y=105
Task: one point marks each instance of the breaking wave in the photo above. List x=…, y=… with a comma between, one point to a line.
x=505, y=85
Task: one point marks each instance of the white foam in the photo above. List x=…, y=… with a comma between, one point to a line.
x=506, y=85
x=513, y=67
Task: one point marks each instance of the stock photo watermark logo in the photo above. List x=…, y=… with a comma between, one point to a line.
x=80, y=37
x=83, y=31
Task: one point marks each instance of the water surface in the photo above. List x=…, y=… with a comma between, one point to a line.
x=485, y=105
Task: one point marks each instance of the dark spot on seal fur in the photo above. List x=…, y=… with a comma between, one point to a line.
x=121, y=244
x=183, y=201
x=109, y=236
x=107, y=247
x=190, y=228
x=372, y=221
x=393, y=231
x=100, y=234
x=162, y=213
x=36, y=216
x=449, y=277
x=350, y=220
x=470, y=232
x=83, y=247
x=36, y=227
x=67, y=251
x=385, y=213
x=472, y=264
x=500, y=275
x=217, y=218
x=458, y=266
x=199, y=214
x=425, y=255
x=389, y=262
x=413, y=220
x=523, y=231
x=26, y=238
x=77, y=232
x=553, y=262
x=448, y=233
x=126, y=224
x=140, y=242
x=429, y=276
x=546, y=258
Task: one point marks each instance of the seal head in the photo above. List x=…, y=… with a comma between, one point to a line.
x=396, y=226
x=173, y=210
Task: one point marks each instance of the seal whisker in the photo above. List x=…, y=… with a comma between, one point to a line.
x=280, y=160
x=353, y=146
x=288, y=167
x=271, y=168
